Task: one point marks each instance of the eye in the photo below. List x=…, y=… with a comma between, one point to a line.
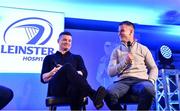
x=70, y=40
x=64, y=40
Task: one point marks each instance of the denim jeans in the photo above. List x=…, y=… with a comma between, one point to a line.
x=143, y=89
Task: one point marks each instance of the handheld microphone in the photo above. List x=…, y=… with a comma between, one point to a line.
x=129, y=46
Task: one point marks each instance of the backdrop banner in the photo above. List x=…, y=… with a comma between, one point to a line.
x=26, y=37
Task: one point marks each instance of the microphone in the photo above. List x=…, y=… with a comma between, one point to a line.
x=129, y=46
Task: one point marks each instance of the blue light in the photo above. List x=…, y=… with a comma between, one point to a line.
x=106, y=11
x=166, y=52
x=172, y=30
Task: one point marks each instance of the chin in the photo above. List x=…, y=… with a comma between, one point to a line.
x=123, y=40
x=66, y=49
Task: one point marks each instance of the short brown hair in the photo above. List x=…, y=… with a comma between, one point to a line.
x=64, y=33
x=127, y=23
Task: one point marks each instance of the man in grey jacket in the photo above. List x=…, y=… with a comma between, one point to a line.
x=135, y=69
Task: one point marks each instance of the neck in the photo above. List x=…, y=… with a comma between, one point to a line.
x=125, y=42
x=63, y=51
x=132, y=41
x=125, y=39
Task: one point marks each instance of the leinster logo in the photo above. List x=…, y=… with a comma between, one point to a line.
x=32, y=31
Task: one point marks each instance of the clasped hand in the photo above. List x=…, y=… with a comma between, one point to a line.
x=55, y=69
x=129, y=58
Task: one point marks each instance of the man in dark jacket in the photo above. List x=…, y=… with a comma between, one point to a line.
x=66, y=75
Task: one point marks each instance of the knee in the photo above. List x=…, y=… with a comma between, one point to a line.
x=111, y=93
x=7, y=96
x=149, y=91
x=10, y=95
x=7, y=93
x=111, y=96
x=68, y=66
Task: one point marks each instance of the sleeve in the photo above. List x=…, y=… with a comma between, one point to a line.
x=46, y=66
x=151, y=65
x=115, y=66
x=81, y=66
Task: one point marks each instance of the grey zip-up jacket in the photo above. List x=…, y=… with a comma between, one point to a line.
x=143, y=65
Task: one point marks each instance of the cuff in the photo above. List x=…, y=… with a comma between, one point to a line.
x=80, y=73
x=152, y=80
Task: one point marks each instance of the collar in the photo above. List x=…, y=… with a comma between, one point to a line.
x=65, y=54
x=132, y=44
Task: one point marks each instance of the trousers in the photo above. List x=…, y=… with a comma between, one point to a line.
x=143, y=89
x=67, y=82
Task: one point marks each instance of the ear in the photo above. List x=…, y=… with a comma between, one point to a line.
x=131, y=32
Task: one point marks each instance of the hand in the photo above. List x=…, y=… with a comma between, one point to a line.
x=47, y=76
x=58, y=65
x=129, y=58
x=55, y=69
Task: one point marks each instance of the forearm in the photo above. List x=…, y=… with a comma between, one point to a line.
x=112, y=71
x=152, y=67
x=47, y=76
x=122, y=65
x=153, y=73
x=119, y=66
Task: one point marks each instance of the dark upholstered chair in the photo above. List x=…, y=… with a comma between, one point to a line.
x=53, y=102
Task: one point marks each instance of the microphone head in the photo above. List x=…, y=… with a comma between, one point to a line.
x=128, y=43
x=129, y=46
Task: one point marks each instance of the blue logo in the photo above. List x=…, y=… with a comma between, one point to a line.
x=31, y=30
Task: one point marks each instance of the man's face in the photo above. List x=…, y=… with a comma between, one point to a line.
x=125, y=32
x=65, y=42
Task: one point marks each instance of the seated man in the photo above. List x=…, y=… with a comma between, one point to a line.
x=6, y=96
x=66, y=75
x=135, y=69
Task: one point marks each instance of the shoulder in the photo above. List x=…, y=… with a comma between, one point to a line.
x=76, y=56
x=117, y=49
x=141, y=46
x=48, y=57
x=144, y=49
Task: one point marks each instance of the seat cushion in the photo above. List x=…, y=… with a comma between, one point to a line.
x=61, y=101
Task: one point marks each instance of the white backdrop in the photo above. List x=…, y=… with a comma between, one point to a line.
x=26, y=37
